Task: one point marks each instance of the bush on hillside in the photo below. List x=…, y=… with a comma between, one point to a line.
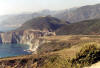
x=88, y=55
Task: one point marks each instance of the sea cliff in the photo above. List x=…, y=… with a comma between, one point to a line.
x=29, y=37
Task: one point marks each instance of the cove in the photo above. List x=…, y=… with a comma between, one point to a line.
x=8, y=50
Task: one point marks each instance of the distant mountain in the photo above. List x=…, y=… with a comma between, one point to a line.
x=83, y=27
x=10, y=22
x=79, y=14
x=44, y=23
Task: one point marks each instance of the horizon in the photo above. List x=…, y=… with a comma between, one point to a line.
x=9, y=7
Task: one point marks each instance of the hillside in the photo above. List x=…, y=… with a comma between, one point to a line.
x=13, y=21
x=83, y=27
x=60, y=27
x=81, y=13
x=47, y=23
x=9, y=22
x=73, y=51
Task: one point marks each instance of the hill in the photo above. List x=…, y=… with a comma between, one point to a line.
x=81, y=13
x=9, y=22
x=13, y=21
x=47, y=23
x=83, y=27
x=60, y=27
x=73, y=51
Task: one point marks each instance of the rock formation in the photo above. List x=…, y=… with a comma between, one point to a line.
x=29, y=37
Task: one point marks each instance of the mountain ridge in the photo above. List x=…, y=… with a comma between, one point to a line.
x=87, y=27
x=44, y=23
x=72, y=15
x=81, y=13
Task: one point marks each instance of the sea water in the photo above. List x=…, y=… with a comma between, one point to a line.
x=8, y=50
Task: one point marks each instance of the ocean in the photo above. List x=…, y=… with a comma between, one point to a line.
x=9, y=50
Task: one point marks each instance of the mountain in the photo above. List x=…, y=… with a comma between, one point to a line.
x=46, y=23
x=83, y=27
x=79, y=14
x=11, y=22
x=52, y=24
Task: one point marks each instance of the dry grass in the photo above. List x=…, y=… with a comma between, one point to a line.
x=59, y=38
x=17, y=57
x=57, y=56
x=74, y=41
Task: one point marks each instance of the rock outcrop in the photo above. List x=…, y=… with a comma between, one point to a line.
x=29, y=37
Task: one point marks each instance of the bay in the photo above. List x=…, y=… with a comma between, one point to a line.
x=8, y=50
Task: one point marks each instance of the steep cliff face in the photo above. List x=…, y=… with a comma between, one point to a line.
x=29, y=37
x=9, y=37
x=6, y=37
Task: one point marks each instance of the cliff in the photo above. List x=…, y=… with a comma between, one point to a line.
x=29, y=37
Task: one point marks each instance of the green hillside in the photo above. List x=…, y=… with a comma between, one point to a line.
x=49, y=23
x=43, y=23
x=83, y=27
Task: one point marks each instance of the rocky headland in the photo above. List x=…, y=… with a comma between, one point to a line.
x=29, y=37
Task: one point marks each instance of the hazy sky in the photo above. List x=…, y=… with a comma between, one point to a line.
x=20, y=6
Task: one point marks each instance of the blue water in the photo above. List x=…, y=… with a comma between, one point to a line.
x=8, y=50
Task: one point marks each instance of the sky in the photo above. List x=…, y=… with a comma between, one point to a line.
x=23, y=6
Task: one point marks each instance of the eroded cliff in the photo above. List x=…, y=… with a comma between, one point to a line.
x=29, y=37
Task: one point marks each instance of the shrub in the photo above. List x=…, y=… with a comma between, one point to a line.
x=88, y=55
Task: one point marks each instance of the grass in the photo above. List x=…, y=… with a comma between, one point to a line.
x=26, y=61
x=86, y=47
x=70, y=51
x=88, y=54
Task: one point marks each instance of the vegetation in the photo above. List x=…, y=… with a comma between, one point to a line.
x=48, y=23
x=52, y=24
x=88, y=54
x=43, y=23
x=53, y=46
x=88, y=27
x=83, y=50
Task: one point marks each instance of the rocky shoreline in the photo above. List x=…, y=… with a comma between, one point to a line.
x=29, y=37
